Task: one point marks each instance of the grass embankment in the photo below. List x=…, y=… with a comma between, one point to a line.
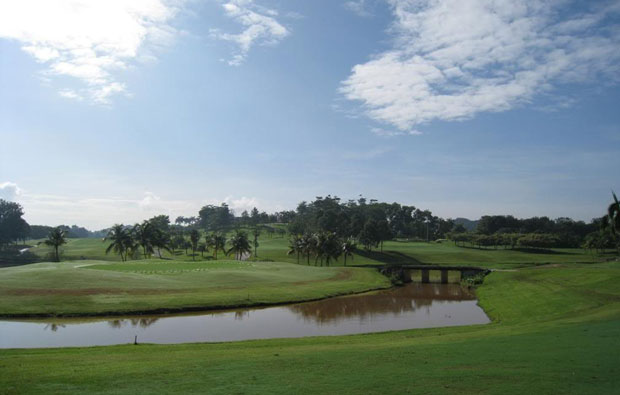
x=106, y=288
x=555, y=330
x=446, y=253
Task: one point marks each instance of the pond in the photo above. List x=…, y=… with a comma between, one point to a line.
x=411, y=306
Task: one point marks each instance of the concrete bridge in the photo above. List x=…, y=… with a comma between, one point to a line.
x=404, y=271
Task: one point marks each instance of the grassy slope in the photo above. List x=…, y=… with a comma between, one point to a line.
x=555, y=330
x=276, y=249
x=98, y=287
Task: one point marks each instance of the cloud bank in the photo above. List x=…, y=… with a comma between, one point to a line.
x=89, y=40
x=452, y=59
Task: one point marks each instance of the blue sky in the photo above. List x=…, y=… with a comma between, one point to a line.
x=115, y=111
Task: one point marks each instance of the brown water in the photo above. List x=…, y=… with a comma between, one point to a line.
x=411, y=306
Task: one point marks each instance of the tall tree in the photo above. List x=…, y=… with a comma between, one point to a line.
x=612, y=221
x=384, y=232
x=256, y=233
x=309, y=246
x=12, y=226
x=216, y=217
x=613, y=215
x=295, y=246
x=348, y=247
x=143, y=234
x=121, y=242
x=55, y=239
x=240, y=245
x=160, y=233
x=202, y=247
x=327, y=247
x=217, y=241
x=254, y=216
x=194, y=237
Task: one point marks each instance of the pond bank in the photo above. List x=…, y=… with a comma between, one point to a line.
x=407, y=307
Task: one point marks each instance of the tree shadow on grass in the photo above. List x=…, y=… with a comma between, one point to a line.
x=520, y=249
x=389, y=257
x=543, y=251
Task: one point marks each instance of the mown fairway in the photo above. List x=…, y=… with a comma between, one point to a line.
x=99, y=287
x=276, y=249
x=556, y=329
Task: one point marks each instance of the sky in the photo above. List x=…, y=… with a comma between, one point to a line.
x=114, y=111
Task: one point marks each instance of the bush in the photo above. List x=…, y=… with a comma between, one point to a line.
x=473, y=281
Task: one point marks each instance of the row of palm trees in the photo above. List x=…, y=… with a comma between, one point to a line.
x=147, y=240
x=322, y=246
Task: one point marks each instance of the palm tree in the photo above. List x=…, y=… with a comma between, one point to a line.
x=143, y=235
x=327, y=247
x=55, y=239
x=612, y=220
x=240, y=245
x=308, y=246
x=202, y=247
x=217, y=241
x=178, y=241
x=121, y=242
x=256, y=233
x=295, y=246
x=348, y=246
x=194, y=237
x=613, y=215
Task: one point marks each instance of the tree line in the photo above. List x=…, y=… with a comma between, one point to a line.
x=323, y=229
x=155, y=235
x=542, y=232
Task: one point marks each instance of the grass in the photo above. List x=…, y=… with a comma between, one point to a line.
x=276, y=248
x=556, y=329
x=106, y=288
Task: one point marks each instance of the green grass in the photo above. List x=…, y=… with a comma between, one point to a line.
x=99, y=287
x=555, y=330
x=446, y=253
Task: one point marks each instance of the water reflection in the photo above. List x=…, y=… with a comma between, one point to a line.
x=134, y=322
x=408, y=307
x=53, y=326
x=394, y=301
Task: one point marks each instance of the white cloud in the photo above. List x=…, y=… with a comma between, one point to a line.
x=391, y=133
x=453, y=59
x=70, y=94
x=150, y=200
x=359, y=7
x=241, y=204
x=90, y=40
x=9, y=191
x=260, y=27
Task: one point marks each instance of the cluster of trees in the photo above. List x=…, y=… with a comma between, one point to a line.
x=222, y=218
x=71, y=232
x=567, y=232
x=155, y=235
x=506, y=240
x=601, y=240
x=322, y=246
x=369, y=222
x=542, y=232
x=12, y=226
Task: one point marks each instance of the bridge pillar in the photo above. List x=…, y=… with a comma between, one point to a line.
x=444, y=277
x=425, y=276
x=406, y=276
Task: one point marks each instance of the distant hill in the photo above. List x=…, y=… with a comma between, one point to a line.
x=467, y=223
